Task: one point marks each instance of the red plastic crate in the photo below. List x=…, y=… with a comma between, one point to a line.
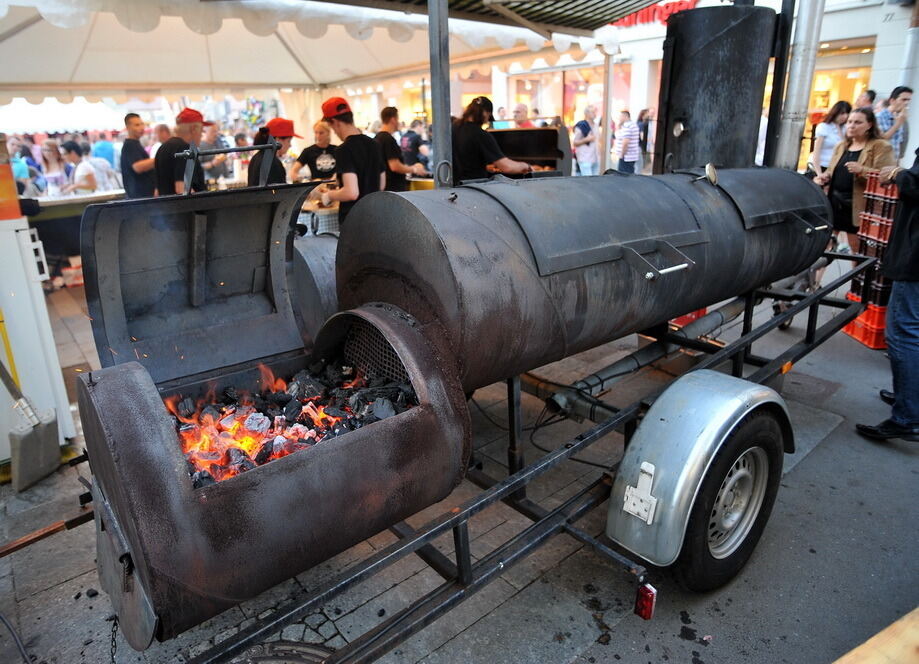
x=854, y=297
x=867, y=335
x=874, y=227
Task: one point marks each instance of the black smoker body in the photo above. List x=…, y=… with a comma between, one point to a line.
x=523, y=273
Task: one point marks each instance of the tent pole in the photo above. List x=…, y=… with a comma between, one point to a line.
x=439, y=44
x=606, y=114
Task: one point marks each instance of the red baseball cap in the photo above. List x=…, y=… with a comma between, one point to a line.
x=189, y=115
x=334, y=107
x=281, y=128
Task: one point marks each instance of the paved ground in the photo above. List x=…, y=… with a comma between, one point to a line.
x=836, y=563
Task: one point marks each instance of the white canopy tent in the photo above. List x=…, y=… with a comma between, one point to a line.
x=121, y=49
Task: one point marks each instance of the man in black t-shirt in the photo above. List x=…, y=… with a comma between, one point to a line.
x=359, y=164
x=474, y=149
x=170, y=172
x=396, y=170
x=136, y=164
x=411, y=143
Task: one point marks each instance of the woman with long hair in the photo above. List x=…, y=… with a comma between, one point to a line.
x=55, y=169
x=862, y=151
x=282, y=130
x=475, y=150
x=828, y=135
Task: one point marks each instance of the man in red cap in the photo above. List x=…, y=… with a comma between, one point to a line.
x=359, y=161
x=282, y=130
x=170, y=172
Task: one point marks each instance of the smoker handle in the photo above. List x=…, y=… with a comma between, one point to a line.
x=647, y=269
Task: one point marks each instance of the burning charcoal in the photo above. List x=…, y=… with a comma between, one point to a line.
x=236, y=458
x=257, y=422
x=190, y=467
x=260, y=403
x=186, y=407
x=187, y=427
x=304, y=443
x=210, y=414
x=292, y=410
x=175, y=421
x=316, y=368
x=279, y=398
x=229, y=409
x=230, y=395
x=357, y=400
x=383, y=408
x=227, y=422
x=379, y=381
x=335, y=412
x=202, y=478
x=264, y=453
x=273, y=411
x=244, y=411
x=334, y=375
x=279, y=423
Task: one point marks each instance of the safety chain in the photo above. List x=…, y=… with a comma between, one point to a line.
x=114, y=646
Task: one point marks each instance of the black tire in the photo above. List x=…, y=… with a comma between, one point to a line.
x=757, y=438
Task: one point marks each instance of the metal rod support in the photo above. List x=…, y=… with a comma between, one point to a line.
x=439, y=45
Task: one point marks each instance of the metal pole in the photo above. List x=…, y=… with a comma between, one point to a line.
x=800, y=75
x=439, y=45
x=779, y=68
x=606, y=114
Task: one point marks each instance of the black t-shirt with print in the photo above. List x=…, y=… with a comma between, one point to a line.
x=276, y=173
x=391, y=150
x=473, y=149
x=320, y=161
x=136, y=185
x=170, y=170
x=359, y=154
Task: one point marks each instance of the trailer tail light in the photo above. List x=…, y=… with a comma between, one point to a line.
x=645, y=601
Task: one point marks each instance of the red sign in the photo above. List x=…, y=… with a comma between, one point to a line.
x=658, y=13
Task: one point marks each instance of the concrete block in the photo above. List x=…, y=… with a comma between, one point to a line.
x=292, y=633
x=35, y=451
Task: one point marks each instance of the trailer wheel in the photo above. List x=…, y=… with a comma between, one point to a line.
x=733, y=504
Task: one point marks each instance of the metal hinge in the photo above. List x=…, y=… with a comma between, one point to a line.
x=638, y=500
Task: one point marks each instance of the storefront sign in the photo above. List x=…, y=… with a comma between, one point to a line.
x=658, y=13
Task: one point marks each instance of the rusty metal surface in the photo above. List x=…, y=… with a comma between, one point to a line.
x=313, y=281
x=462, y=258
x=199, y=552
x=185, y=284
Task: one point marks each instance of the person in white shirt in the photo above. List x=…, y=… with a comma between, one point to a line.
x=627, y=147
x=828, y=134
x=82, y=179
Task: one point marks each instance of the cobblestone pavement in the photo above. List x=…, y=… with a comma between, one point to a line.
x=836, y=563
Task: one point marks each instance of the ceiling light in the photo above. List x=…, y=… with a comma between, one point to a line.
x=824, y=45
x=866, y=50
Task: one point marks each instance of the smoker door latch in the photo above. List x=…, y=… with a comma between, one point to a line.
x=821, y=224
x=642, y=265
x=638, y=500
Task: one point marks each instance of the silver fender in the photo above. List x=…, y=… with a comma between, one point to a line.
x=670, y=454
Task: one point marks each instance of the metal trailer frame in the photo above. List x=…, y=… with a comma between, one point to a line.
x=464, y=578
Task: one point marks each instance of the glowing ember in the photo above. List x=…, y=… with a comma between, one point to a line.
x=223, y=436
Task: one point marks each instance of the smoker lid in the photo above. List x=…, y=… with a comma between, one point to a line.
x=562, y=237
x=759, y=205
x=191, y=284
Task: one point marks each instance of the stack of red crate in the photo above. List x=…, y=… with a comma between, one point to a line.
x=875, y=224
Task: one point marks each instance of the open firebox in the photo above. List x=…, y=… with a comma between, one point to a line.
x=230, y=450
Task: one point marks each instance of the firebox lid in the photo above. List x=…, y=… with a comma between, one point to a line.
x=190, y=284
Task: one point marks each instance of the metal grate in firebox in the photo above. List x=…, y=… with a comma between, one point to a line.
x=368, y=351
